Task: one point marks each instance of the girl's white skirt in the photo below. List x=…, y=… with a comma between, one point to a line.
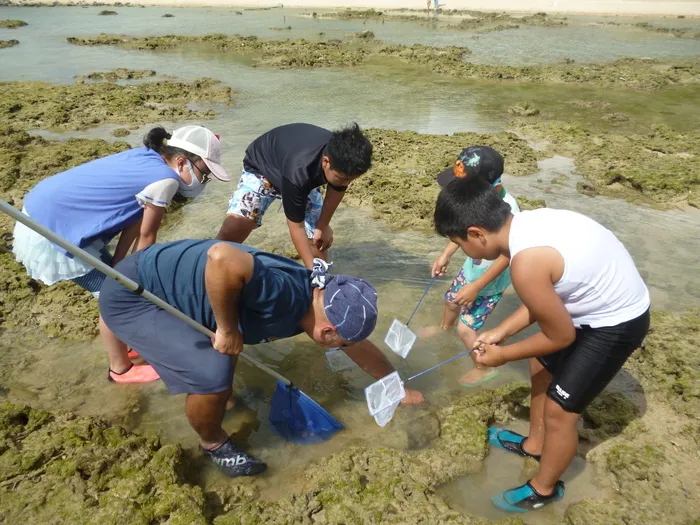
x=43, y=261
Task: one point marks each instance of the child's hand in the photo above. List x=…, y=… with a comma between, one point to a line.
x=440, y=265
x=491, y=337
x=489, y=355
x=466, y=295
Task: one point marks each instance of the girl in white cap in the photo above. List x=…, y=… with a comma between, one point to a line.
x=123, y=195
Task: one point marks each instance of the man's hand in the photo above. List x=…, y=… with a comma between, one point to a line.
x=489, y=355
x=440, y=265
x=413, y=397
x=491, y=337
x=323, y=238
x=229, y=343
x=467, y=295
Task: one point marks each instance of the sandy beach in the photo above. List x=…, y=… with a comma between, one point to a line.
x=613, y=7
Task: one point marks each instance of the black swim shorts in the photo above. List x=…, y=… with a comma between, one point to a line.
x=581, y=371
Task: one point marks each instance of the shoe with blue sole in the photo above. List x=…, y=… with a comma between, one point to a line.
x=510, y=441
x=525, y=498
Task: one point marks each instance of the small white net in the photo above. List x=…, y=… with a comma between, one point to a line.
x=338, y=360
x=382, y=418
x=384, y=396
x=400, y=338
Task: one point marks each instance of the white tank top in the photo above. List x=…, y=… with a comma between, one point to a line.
x=600, y=285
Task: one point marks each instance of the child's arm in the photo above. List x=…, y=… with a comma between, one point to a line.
x=470, y=291
x=533, y=272
x=511, y=325
x=442, y=262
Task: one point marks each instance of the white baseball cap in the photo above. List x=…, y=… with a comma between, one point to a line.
x=201, y=141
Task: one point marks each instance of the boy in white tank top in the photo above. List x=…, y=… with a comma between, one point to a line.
x=579, y=284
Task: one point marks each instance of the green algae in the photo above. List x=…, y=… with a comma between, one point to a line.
x=480, y=21
x=632, y=73
x=366, y=35
x=59, y=468
x=121, y=73
x=382, y=485
x=121, y=132
x=660, y=166
x=524, y=109
x=678, y=32
x=401, y=186
x=608, y=415
x=62, y=469
x=83, y=105
x=488, y=22
x=107, y=12
x=8, y=43
x=12, y=24
x=525, y=203
x=669, y=363
x=647, y=452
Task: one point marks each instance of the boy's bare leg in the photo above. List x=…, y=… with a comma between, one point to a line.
x=477, y=373
x=540, y=379
x=450, y=313
x=560, y=442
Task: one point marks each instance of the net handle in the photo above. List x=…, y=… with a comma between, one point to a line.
x=124, y=281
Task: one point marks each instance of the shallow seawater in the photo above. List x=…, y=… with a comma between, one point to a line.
x=664, y=244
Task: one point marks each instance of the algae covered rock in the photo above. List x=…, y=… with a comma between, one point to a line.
x=608, y=415
x=107, y=12
x=63, y=469
x=168, y=15
x=121, y=132
x=401, y=187
x=669, y=363
x=8, y=43
x=660, y=166
x=526, y=203
x=366, y=35
x=12, y=24
x=633, y=73
x=381, y=485
x=83, y=105
x=121, y=73
x=524, y=109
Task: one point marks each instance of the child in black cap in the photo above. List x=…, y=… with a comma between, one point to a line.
x=480, y=284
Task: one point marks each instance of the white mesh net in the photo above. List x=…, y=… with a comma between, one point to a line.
x=383, y=417
x=400, y=338
x=338, y=360
x=384, y=396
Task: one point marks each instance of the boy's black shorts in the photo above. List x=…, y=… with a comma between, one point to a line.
x=582, y=370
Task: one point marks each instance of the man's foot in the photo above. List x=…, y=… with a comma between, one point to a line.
x=525, y=497
x=510, y=441
x=135, y=374
x=477, y=376
x=132, y=354
x=234, y=462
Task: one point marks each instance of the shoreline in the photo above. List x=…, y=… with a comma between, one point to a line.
x=689, y=8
